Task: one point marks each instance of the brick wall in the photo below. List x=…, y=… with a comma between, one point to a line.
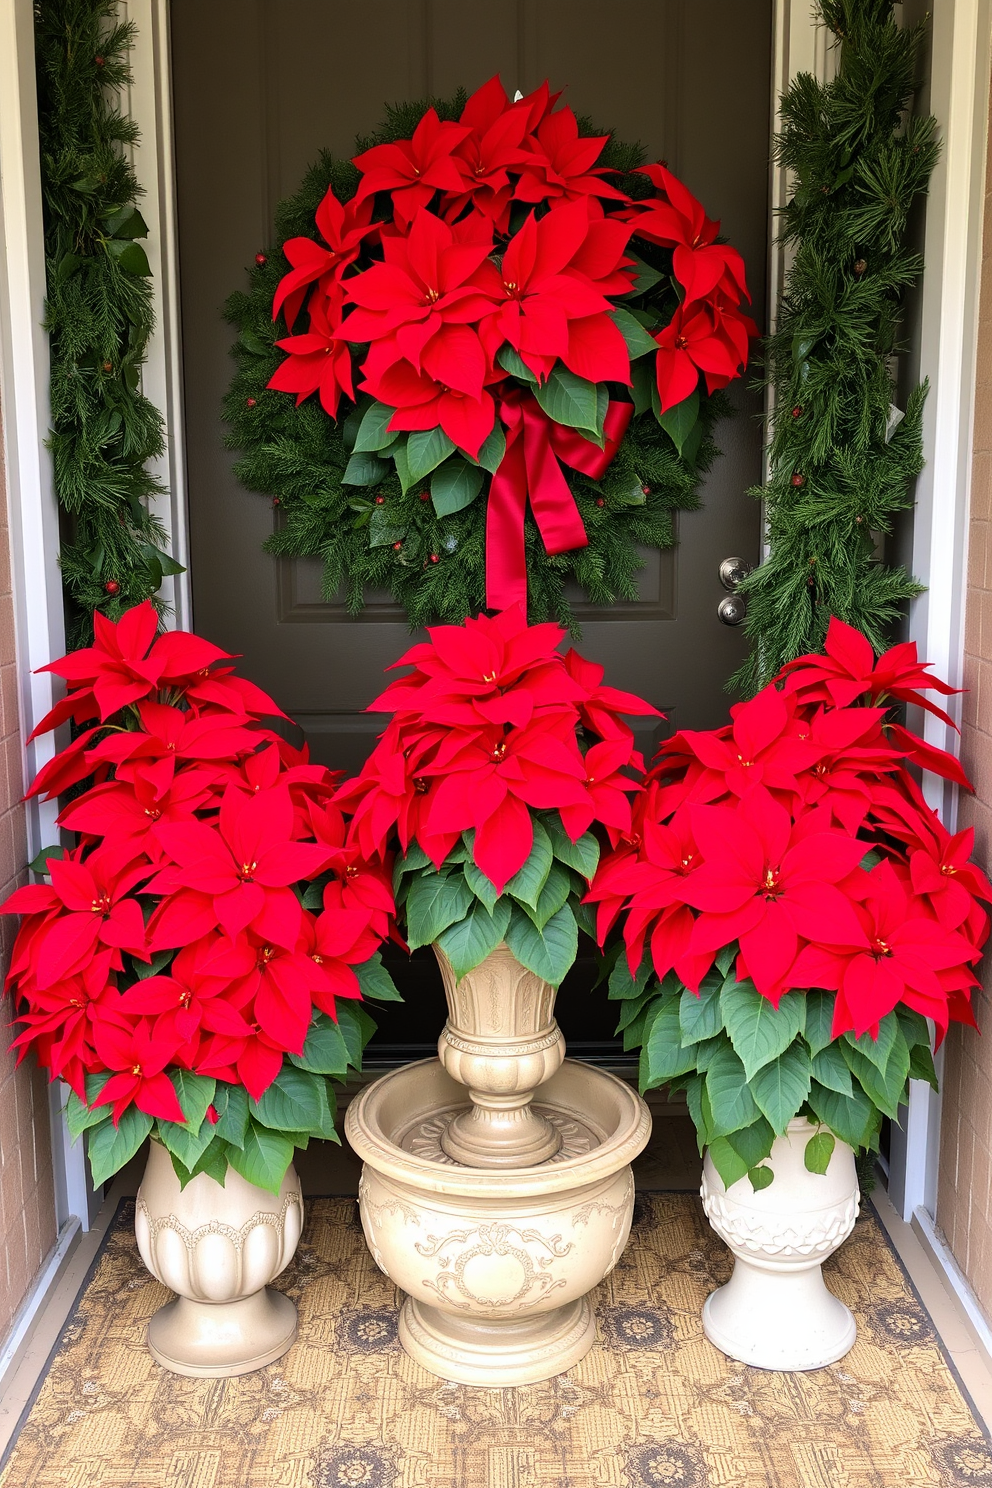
x=964, y=1197
x=27, y=1207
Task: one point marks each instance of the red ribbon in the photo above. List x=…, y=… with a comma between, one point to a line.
x=534, y=445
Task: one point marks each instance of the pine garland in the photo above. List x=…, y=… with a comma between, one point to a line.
x=837, y=482
x=297, y=456
x=99, y=315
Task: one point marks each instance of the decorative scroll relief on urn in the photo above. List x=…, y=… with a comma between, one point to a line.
x=776, y=1311
x=219, y=1247
x=501, y=1041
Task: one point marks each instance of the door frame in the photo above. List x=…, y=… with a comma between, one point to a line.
x=959, y=96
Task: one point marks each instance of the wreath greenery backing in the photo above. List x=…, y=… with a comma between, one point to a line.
x=382, y=537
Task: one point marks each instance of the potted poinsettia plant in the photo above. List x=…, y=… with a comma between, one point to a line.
x=504, y=767
x=797, y=925
x=193, y=967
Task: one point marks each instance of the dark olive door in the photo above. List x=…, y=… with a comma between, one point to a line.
x=260, y=86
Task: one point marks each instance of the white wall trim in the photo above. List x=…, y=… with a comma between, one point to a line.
x=942, y=1258
x=32, y=509
x=959, y=98
x=149, y=104
x=19, y=1337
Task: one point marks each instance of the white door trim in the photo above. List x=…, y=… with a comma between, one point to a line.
x=959, y=97
x=31, y=506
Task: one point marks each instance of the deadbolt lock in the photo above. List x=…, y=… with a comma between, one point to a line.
x=732, y=610
x=733, y=571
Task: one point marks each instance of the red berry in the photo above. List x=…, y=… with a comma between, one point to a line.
x=797, y=412
x=397, y=546
x=645, y=490
x=108, y=366
x=380, y=500
x=435, y=558
x=600, y=501
x=250, y=402
x=260, y=259
x=798, y=480
x=98, y=60
x=111, y=586
x=425, y=495
x=276, y=501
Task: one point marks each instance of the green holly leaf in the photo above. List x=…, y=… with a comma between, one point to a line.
x=434, y=902
x=455, y=485
x=549, y=953
x=779, y=1088
x=470, y=940
x=758, y=1030
x=110, y=1146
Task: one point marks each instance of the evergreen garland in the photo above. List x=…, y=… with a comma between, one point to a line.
x=839, y=474
x=99, y=315
x=297, y=455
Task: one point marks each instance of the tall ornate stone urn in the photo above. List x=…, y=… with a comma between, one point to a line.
x=497, y=1189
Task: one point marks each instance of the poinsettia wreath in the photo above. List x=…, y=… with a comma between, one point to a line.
x=491, y=364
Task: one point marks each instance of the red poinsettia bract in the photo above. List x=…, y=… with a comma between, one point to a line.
x=200, y=832
x=797, y=834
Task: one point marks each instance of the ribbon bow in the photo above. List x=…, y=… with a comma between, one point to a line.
x=534, y=445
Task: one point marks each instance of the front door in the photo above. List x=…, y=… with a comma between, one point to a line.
x=260, y=86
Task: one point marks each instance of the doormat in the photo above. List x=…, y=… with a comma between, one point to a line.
x=653, y=1405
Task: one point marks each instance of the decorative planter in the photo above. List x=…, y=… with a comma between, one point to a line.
x=218, y=1247
x=775, y=1311
x=497, y=1253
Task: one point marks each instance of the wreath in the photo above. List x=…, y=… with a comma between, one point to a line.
x=484, y=361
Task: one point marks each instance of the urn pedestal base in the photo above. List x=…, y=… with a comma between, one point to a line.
x=516, y=1353
x=497, y=1264
x=778, y=1320
x=216, y=1340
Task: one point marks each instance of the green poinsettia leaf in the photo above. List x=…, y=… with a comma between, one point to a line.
x=492, y=450
x=325, y=1051
x=455, y=485
x=758, y=1030
x=582, y=855
x=570, y=400
x=425, y=449
x=636, y=338
x=375, y=981
x=831, y=1069
x=664, y=1057
x=732, y=1105
x=679, y=422
x=469, y=941
x=434, y=902
x=511, y=361
x=528, y=882
x=364, y=470
x=549, y=953
x=780, y=1087
x=264, y=1158
x=819, y=1151
x=700, y=1016
x=373, y=434
x=110, y=1146
x=760, y=1178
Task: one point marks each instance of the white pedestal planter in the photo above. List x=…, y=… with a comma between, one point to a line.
x=497, y=1253
x=218, y=1247
x=775, y=1311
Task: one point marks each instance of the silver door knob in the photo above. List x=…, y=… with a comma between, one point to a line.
x=733, y=571
x=732, y=609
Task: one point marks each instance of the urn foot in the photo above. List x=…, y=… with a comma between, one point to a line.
x=497, y=1352
x=213, y=1340
x=778, y=1320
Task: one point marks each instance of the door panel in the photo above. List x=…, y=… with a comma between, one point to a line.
x=260, y=86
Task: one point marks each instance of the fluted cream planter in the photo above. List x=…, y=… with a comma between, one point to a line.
x=218, y=1247
x=776, y=1312
x=496, y=1212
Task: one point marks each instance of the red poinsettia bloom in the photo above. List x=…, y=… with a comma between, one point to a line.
x=244, y=864
x=318, y=362
x=676, y=220
x=495, y=146
x=549, y=307
x=847, y=670
x=423, y=403
x=701, y=338
x=138, y=1058
x=418, y=304
x=563, y=164
x=343, y=228
x=192, y=998
x=412, y=170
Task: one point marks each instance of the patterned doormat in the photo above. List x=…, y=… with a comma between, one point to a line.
x=654, y=1405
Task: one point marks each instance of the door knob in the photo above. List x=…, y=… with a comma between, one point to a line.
x=733, y=571
x=732, y=609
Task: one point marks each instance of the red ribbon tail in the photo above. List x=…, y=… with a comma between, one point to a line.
x=555, y=512
x=506, y=564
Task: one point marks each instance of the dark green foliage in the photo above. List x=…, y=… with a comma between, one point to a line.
x=99, y=314
x=298, y=456
x=858, y=165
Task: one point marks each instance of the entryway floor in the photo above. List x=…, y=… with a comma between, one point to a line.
x=653, y=1403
